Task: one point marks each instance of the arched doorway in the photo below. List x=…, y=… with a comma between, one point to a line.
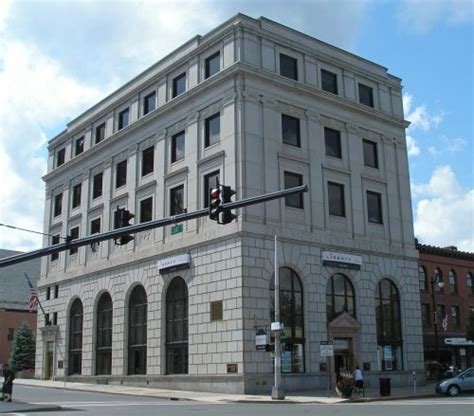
x=343, y=328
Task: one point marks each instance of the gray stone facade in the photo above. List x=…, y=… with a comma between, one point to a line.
x=234, y=263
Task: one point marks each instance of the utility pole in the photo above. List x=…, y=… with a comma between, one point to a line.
x=277, y=390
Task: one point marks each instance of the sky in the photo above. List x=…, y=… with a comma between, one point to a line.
x=58, y=58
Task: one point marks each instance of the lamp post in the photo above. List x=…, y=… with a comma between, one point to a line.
x=436, y=282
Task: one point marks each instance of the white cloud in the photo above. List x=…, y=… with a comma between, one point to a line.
x=455, y=145
x=445, y=212
x=35, y=97
x=413, y=149
x=423, y=15
x=419, y=117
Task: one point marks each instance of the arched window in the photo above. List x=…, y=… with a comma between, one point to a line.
x=470, y=283
x=453, y=282
x=438, y=277
x=292, y=317
x=422, y=278
x=177, y=327
x=389, y=331
x=339, y=297
x=137, y=318
x=103, y=349
x=75, y=337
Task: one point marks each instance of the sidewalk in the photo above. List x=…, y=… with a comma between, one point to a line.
x=315, y=396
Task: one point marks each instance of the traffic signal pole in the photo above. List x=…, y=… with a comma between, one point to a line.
x=133, y=229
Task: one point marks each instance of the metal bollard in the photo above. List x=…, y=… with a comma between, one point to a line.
x=414, y=382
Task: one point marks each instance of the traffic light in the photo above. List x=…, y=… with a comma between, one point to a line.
x=227, y=194
x=122, y=219
x=215, y=204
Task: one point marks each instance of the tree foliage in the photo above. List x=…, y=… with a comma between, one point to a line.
x=23, y=350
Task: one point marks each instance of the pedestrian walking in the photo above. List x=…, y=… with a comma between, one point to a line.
x=359, y=380
x=7, y=388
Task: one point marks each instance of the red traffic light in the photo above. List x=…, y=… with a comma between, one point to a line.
x=215, y=193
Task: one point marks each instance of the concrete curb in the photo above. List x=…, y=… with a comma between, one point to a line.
x=388, y=398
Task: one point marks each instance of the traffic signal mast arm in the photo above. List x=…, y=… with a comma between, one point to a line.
x=133, y=229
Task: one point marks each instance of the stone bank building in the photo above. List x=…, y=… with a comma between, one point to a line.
x=261, y=107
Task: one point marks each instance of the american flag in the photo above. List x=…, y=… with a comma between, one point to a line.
x=33, y=302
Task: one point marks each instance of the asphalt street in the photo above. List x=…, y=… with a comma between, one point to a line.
x=94, y=404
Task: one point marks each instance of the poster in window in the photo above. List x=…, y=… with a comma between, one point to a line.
x=388, y=358
x=286, y=361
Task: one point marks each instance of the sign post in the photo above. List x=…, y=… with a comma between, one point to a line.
x=326, y=349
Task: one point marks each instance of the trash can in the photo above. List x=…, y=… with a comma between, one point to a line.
x=384, y=386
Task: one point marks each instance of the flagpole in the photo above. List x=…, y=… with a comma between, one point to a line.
x=37, y=297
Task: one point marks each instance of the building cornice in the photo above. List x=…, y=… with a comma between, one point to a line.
x=444, y=251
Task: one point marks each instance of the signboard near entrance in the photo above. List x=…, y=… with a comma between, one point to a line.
x=326, y=348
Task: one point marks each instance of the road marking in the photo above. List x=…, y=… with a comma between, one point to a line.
x=128, y=403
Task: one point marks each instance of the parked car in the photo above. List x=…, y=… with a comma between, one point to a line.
x=455, y=385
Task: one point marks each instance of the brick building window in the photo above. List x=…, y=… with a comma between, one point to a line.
x=453, y=283
x=426, y=314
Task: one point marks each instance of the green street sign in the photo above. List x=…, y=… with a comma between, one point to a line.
x=176, y=229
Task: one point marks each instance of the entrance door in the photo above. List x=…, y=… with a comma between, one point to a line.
x=343, y=356
x=49, y=360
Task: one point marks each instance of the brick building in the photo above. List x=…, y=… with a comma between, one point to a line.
x=14, y=297
x=454, y=306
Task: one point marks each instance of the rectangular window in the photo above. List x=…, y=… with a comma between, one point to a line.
x=370, y=154
x=56, y=291
x=212, y=129
x=48, y=293
x=288, y=66
x=11, y=333
x=58, y=204
x=328, y=81
x=374, y=207
x=336, y=199
x=99, y=133
x=149, y=103
x=97, y=185
x=366, y=95
x=213, y=64
x=76, y=195
x=290, y=130
x=60, y=157
x=55, y=318
x=177, y=200
x=456, y=318
x=217, y=311
x=425, y=314
x=123, y=119
x=55, y=240
x=74, y=234
x=177, y=147
x=332, y=140
x=210, y=182
x=121, y=174
x=148, y=159
x=179, y=84
x=79, y=146
x=95, y=226
x=146, y=209
x=292, y=180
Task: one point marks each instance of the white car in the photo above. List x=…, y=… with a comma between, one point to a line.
x=455, y=385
